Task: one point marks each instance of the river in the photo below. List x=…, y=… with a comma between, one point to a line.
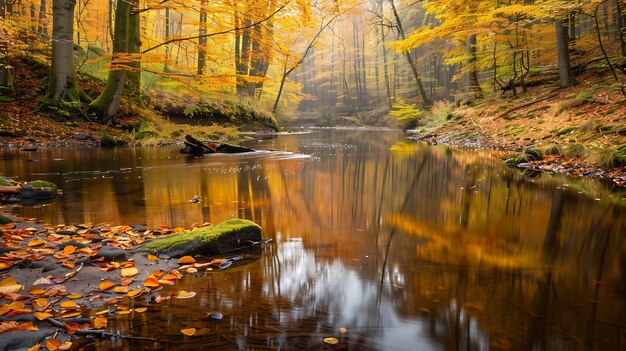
x=407, y=246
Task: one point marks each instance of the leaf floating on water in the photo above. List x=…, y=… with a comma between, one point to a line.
x=152, y=258
x=151, y=282
x=36, y=291
x=100, y=322
x=134, y=293
x=141, y=309
x=186, y=260
x=188, y=331
x=185, y=294
x=331, y=341
x=343, y=330
x=66, y=346
x=121, y=289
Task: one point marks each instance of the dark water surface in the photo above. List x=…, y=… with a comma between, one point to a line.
x=408, y=247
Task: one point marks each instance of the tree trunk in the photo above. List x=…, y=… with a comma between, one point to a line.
x=168, y=33
x=202, y=41
x=43, y=26
x=420, y=87
x=61, y=82
x=620, y=27
x=474, y=85
x=134, y=48
x=566, y=76
x=6, y=80
x=107, y=104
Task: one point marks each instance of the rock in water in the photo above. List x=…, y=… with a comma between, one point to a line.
x=229, y=235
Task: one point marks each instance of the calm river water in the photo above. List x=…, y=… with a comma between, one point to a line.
x=407, y=246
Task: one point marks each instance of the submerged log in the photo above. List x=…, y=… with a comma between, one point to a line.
x=196, y=147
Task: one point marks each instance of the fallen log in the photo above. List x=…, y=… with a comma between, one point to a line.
x=10, y=189
x=196, y=147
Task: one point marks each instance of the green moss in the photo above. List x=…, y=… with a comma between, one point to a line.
x=5, y=220
x=43, y=184
x=576, y=150
x=4, y=182
x=553, y=149
x=530, y=154
x=564, y=131
x=200, y=237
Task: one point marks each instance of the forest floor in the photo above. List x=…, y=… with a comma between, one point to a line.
x=579, y=130
x=23, y=124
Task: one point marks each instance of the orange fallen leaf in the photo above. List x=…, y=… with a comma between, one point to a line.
x=36, y=242
x=69, y=305
x=188, y=331
x=152, y=258
x=105, y=284
x=36, y=291
x=71, y=327
x=65, y=346
x=69, y=249
x=331, y=341
x=151, y=282
x=19, y=311
x=123, y=312
x=4, y=265
x=42, y=315
x=185, y=294
x=192, y=270
x=68, y=265
x=126, y=281
x=186, y=260
x=35, y=347
x=121, y=289
x=8, y=285
x=17, y=305
x=53, y=344
x=71, y=314
x=75, y=296
x=141, y=309
x=134, y=293
x=100, y=322
x=4, y=309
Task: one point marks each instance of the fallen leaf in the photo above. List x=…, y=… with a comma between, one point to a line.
x=121, y=289
x=100, y=322
x=186, y=260
x=8, y=285
x=188, y=331
x=122, y=312
x=141, y=309
x=127, y=281
x=134, y=293
x=4, y=309
x=343, y=330
x=75, y=296
x=105, y=284
x=129, y=272
x=66, y=346
x=36, y=242
x=17, y=305
x=4, y=265
x=42, y=281
x=69, y=305
x=151, y=282
x=42, y=315
x=152, y=258
x=71, y=314
x=36, y=291
x=331, y=341
x=69, y=249
x=35, y=347
x=192, y=270
x=40, y=302
x=71, y=327
x=185, y=294
x=53, y=344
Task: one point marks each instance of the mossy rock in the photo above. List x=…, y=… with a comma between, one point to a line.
x=38, y=189
x=527, y=155
x=4, y=182
x=5, y=220
x=227, y=236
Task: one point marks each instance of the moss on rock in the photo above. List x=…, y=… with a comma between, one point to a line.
x=525, y=156
x=229, y=235
x=43, y=184
x=5, y=220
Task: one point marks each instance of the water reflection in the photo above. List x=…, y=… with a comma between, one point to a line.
x=407, y=246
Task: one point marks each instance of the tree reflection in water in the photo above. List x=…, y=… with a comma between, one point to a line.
x=407, y=246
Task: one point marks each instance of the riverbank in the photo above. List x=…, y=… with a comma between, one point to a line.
x=59, y=282
x=158, y=118
x=580, y=131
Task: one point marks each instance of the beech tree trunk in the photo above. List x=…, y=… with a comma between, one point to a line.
x=6, y=80
x=420, y=87
x=474, y=85
x=566, y=76
x=108, y=103
x=61, y=81
x=202, y=41
x=134, y=48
